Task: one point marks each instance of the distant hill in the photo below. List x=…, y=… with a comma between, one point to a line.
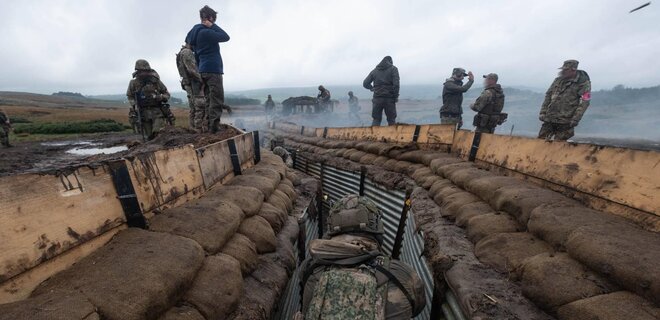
x=61, y=100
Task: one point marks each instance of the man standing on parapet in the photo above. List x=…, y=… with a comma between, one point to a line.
x=269, y=105
x=323, y=99
x=205, y=38
x=147, y=96
x=191, y=82
x=353, y=107
x=5, y=127
x=489, y=106
x=384, y=82
x=451, y=111
x=565, y=102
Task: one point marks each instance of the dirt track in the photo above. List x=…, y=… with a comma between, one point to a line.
x=56, y=154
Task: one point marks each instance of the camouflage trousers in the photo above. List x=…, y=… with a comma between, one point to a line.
x=215, y=92
x=383, y=104
x=197, y=104
x=152, y=121
x=558, y=131
x=4, y=135
x=451, y=119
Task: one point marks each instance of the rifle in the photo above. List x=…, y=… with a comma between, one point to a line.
x=139, y=114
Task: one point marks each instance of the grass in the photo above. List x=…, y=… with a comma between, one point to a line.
x=93, y=126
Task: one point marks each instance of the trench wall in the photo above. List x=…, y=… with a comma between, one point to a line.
x=52, y=220
x=621, y=181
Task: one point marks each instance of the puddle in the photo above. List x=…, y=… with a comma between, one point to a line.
x=95, y=151
x=68, y=143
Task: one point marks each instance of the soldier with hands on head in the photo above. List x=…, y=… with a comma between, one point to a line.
x=451, y=111
x=489, y=106
x=565, y=102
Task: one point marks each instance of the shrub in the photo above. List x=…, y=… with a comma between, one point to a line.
x=93, y=126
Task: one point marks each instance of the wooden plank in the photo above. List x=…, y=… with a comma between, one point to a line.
x=214, y=162
x=20, y=286
x=625, y=176
x=166, y=177
x=245, y=149
x=437, y=134
x=462, y=143
x=43, y=216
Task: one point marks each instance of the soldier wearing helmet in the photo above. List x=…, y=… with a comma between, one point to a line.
x=349, y=276
x=148, y=98
x=353, y=106
x=323, y=100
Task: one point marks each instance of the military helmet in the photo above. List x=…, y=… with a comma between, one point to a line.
x=350, y=93
x=142, y=64
x=354, y=214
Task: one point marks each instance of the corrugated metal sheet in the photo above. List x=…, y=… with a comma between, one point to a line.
x=411, y=253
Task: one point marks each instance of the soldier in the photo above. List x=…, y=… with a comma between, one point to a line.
x=269, y=105
x=285, y=155
x=191, y=82
x=5, y=127
x=489, y=106
x=148, y=96
x=565, y=102
x=323, y=99
x=384, y=82
x=349, y=277
x=204, y=39
x=353, y=106
x=451, y=111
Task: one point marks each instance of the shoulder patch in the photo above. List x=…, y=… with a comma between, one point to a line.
x=586, y=96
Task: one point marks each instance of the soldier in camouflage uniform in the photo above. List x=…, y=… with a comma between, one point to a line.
x=269, y=105
x=489, y=106
x=323, y=99
x=285, y=155
x=348, y=277
x=148, y=96
x=451, y=111
x=5, y=127
x=191, y=82
x=565, y=102
x=353, y=106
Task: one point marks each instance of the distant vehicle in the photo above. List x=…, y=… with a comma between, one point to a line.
x=305, y=104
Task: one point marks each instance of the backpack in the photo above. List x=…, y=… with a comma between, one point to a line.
x=344, y=281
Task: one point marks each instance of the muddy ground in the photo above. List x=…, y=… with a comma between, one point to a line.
x=55, y=154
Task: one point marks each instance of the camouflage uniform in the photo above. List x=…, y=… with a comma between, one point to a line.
x=284, y=154
x=191, y=82
x=5, y=127
x=451, y=111
x=323, y=100
x=350, y=282
x=353, y=106
x=565, y=103
x=489, y=107
x=147, y=92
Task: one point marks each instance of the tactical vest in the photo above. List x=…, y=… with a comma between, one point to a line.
x=495, y=103
x=181, y=67
x=148, y=88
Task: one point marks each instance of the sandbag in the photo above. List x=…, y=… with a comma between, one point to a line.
x=402, y=167
x=484, y=225
x=244, y=250
x=368, y=158
x=350, y=152
x=293, y=176
x=614, y=306
x=438, y=185
x=50, y=306
x=288, y=191
x=380, y=160
x=439, y=197
x=266, y=172
x=626, y=254
x=485, y=187
x=217, y=287
x=520, y=202
x=356, y=156
x=182, y=313
x=447, y=170
x=287, y=201
x=443, y=161
x=390, y=164
x=249, y=199
x=397, y=150
x=209, y=224
x=552, y=280
x=427, y=158
x=410, y=169
x=452, y=202
x=273, y=215
x=470, y=210
x=462, y=176
x=287, y=182
x=265, y=185
x=260, y=232
x=421, y=173
x=430, y=181
x=149, y=267
x=506, y=251
x=555, y=222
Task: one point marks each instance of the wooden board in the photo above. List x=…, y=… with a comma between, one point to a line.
x=435, y=134
x=166, y=177
x=42, y=216
x=462, y=143
x=215, y=161
x=20, y=286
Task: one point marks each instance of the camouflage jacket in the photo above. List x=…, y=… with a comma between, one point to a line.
x=187, y=66
x=150, y=91
x=567, y=99
x=452, y=96
x=490, y=102
x=324, y=96
x=3, y=118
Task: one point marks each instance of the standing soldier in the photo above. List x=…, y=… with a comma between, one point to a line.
x=452, y=97
x=565, y=102
x=489, y=106
x=384, y=82
x=323, y=99
x=204, y=39
x=191, y=82
x=148, y=96
x=5, y=127
x=353, y=106
x=270, y=104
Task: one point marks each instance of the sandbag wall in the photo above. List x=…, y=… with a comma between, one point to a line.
x=226, y=255
x=571, y=261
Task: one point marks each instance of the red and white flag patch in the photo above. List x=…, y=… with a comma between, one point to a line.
x=586, y=96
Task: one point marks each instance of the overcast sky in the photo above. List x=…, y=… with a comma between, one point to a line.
x=91, y=46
